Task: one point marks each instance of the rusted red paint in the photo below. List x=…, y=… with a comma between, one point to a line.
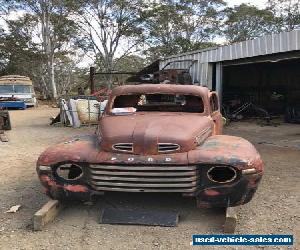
x=50, y=183
x=198, y=135
x=211, y=192
x=145, y=132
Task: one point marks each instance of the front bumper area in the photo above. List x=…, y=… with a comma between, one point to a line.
x=229, y=195
x=189, y=180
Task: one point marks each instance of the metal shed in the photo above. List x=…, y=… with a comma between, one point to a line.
x=210, y=64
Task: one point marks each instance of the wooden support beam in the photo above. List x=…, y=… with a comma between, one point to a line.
x=46, y=214
x=230, y=220
x=219, y=81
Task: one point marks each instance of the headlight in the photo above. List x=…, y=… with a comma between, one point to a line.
x=222, y=174
x=29, y=100
x=69, y=171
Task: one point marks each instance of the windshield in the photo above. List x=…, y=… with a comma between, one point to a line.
x=8, y=89
x=157, y=102
x=22, y=89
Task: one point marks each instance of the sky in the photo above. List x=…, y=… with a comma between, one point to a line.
x=259, y=3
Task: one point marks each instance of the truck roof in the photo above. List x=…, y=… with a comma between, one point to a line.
x=15, y=79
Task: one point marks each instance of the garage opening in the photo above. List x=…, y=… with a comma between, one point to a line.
x=270, y=86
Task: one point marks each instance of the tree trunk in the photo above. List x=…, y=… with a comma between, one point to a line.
x=109, y=68
x=48, y=46
x=52, y=79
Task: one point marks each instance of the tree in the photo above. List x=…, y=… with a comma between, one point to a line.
x=5, y=7
x=54, y=29
x=130, y=63
x=67, y=74
x=180, y=26
x=22, y=51
x=19, y=54
x=110, y=29
x=287, y=13
x=246, y=22
x=3, y=54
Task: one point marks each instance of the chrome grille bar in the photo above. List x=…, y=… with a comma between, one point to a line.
x=131, y=178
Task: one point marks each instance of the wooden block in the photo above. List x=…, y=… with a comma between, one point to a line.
x=230, y=221
x=46, y=214
x=3, y=137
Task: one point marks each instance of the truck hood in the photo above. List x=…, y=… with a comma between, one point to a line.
x=154, y=133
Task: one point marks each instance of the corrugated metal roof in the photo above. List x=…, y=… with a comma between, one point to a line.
x=268, y=44
x=201, y=70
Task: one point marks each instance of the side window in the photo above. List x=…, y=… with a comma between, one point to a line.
x=214, y=103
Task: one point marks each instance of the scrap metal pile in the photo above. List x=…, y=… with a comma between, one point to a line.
x=236, y=110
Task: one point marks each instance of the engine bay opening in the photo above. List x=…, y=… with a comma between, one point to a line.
x=69, y=171
x=222, y=174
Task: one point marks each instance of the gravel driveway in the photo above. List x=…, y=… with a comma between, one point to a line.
x=274, y=209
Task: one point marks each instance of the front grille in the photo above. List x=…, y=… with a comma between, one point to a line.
x=167, y=147
x=123, y=147
x=132, y=178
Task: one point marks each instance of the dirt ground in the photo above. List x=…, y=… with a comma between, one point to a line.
x=274, y=209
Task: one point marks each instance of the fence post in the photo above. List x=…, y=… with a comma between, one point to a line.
x=92, y=79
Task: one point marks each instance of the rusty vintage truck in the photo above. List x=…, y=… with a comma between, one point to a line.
x=156, y=138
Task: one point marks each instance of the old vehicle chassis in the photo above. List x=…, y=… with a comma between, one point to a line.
x=155, y=152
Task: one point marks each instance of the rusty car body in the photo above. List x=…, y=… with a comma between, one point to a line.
x=156, y=138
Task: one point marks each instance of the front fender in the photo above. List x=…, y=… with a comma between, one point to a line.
x=77, y=149
x=232, y=151
x=227, y=150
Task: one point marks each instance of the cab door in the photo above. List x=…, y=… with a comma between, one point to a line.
x=215, y=113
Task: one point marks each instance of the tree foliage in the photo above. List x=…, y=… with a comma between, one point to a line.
x=180, y=26
x=287, y=13
x=108, y=25
x=247, y=22
x=55, y=41
x=44, y=34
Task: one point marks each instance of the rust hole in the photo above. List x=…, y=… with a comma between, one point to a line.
x=221, y=174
